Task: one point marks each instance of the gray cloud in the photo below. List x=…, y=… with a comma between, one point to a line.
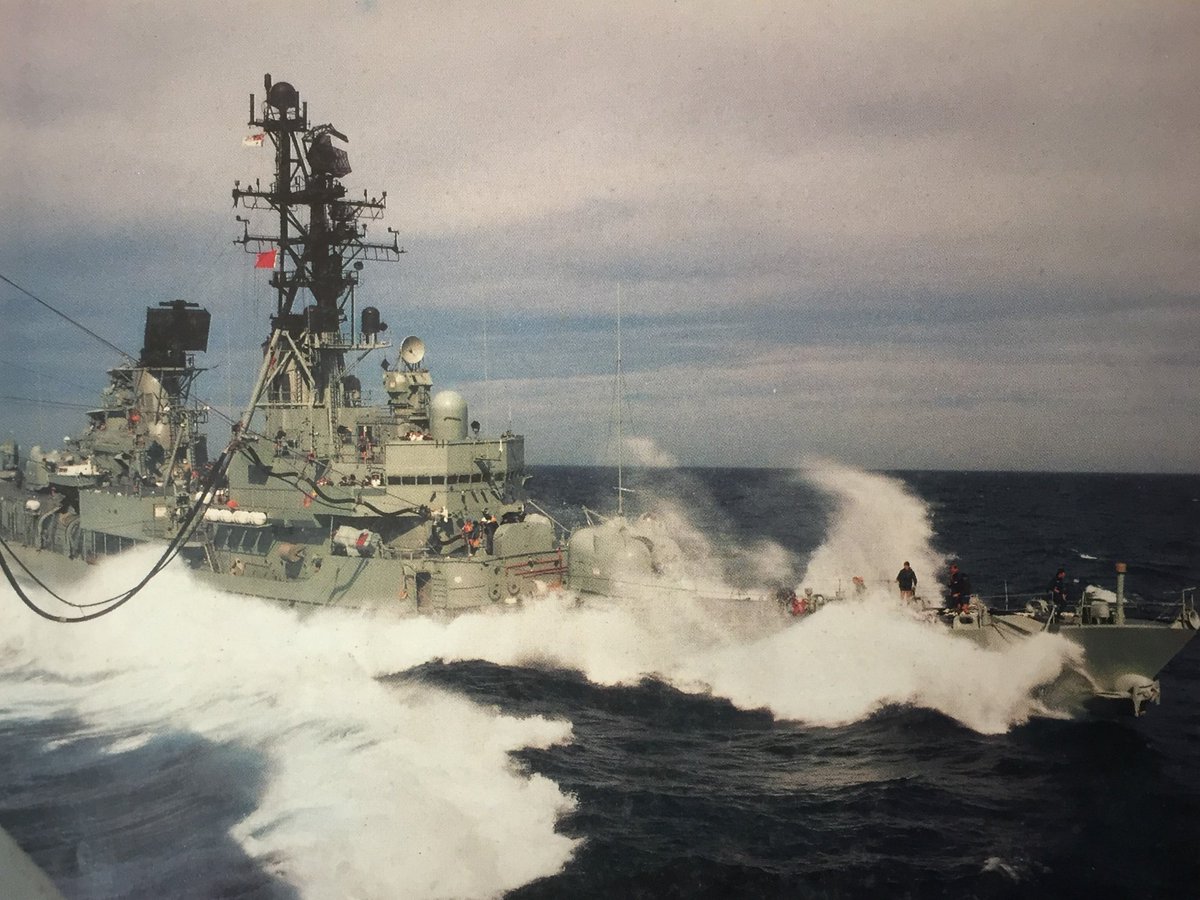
x=983, y=217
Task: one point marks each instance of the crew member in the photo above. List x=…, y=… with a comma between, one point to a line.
x=1057, y=589
x=960, y=589
x=785, y=597
x=907, y=580
x=490, y=524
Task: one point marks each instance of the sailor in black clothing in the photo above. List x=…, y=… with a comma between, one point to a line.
x=1057, y=589
x=960, y=589
x=490, y=525
x=907, y=579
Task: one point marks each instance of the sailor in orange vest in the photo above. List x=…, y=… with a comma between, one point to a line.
x=468, y=533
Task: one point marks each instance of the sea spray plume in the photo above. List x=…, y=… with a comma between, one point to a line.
x=716, y=562
x=682, y=550
x=767, y=564
x=611, y=641
x=855, y=657
x=877, y=524
x=372, y=788
x=696, y=544
x=644, y=451
x=711, y=559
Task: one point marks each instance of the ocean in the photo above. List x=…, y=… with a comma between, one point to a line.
x=199, y=745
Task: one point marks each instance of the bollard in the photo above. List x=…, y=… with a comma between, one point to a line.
x=1120, y=593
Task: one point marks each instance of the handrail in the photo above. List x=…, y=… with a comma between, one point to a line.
x=561, y=527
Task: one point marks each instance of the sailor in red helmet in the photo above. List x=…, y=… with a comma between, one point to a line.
x=960, y=590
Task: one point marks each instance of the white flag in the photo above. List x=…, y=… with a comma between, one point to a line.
x=254, y=140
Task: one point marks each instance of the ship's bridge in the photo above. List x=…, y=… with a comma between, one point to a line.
x=450, y=463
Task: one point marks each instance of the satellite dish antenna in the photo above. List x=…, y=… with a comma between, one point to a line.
x=412, y=351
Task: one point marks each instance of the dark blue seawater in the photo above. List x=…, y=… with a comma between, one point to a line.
x=681, y=793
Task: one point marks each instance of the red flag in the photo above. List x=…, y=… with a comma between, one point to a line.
x=253, y=140
x=266, y=260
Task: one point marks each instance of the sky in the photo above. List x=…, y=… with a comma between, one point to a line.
x=901, y=236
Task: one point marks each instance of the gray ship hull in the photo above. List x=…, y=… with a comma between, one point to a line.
x=1120, y=662
x=402, y=587
x=259, y=562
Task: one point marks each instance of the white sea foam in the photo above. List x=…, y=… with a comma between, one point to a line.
x=997, y=864
x=835, y=667
x=832, y=668
x=853, y=658
x=372, y=787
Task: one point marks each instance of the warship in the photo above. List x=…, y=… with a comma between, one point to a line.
x=321, y=498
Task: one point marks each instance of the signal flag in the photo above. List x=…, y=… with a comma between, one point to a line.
x=266, y=260
x=253, y=140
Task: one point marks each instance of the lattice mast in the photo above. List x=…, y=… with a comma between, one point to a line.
x=320, y=244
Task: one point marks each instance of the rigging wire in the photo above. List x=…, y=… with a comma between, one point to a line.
x=9, y=364
x=186, y=528
x=61, y=403
x=107, y=343
x=113, y=603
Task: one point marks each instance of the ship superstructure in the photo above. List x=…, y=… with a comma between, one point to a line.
x=124, y=479
x=324, y=480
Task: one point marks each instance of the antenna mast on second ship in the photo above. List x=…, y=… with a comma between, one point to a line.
x=319, y=248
